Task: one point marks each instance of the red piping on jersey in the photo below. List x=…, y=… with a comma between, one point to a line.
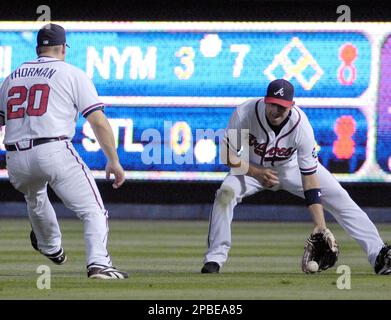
x=90, y=107
x=47, y=57
x=288, y=133
x=85, y=173
x=107, y=233
x=309, y=168
x=210, y=225
x=38, y=62
x=260, y=123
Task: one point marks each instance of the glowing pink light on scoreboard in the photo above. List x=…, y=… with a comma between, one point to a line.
x=344, y=146
x=347, y=71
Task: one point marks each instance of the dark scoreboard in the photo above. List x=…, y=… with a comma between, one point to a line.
x=170, y=88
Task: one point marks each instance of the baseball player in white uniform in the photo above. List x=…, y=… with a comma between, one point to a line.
x=39, y=104
x=280, y=145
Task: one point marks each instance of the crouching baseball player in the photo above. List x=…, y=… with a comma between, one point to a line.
x=39, y=104
x=281, y=155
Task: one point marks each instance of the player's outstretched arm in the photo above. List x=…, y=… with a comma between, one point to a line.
x=312, y=194
x=321, y=245
x=104, y=134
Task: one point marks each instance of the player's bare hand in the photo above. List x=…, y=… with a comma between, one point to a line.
x=268, y=177
x=119, y=174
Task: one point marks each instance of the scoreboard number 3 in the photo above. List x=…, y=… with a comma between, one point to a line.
x=187, y=55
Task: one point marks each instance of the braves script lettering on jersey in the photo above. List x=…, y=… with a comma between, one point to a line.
x=291, y=154
x=275, y=153
x=40, y=102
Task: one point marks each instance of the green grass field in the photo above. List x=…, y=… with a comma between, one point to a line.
x=164, y=259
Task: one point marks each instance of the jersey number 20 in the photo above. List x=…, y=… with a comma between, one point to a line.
x=24, y=94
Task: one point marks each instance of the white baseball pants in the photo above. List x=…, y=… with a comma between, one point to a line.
x=335, y=200
x=59, y=165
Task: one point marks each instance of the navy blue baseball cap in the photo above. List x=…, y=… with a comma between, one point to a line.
x=51, y=35
x=281, y=92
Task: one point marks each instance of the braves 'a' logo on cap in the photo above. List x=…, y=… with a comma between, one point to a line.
x=280, y=92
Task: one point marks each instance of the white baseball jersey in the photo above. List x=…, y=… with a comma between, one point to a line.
x=42, y=98
x=295, y=142
x=291, y=153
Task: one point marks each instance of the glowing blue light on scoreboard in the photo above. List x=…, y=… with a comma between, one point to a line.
x=179, y=139
x=213, y=63
x=90, y=143
x=204, y=64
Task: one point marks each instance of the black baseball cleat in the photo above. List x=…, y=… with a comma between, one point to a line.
x=210, y=267
x=33, y=240
x=383, y=261
x=58, y=258
x=98, y=271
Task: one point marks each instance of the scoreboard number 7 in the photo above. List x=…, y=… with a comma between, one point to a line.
x=241, y=50
x=187, y=55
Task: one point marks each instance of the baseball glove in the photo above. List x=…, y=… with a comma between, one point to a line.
x=322, y=248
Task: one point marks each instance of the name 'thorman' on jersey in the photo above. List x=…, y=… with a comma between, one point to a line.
x=33, y=72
